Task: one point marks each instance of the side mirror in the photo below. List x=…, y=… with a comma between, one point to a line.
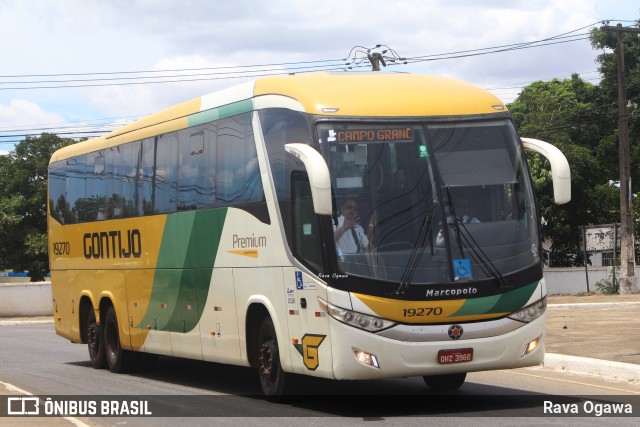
x=560, y=171
x=319, y=178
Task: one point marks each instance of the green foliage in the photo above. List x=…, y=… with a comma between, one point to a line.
x=581, y=119
x=23, y=205
x=563, y=113
x=610, y=284
x=606, y=42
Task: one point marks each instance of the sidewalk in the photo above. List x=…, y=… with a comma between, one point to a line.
x=594, y=334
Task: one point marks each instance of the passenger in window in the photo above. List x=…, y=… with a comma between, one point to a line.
x=348, y=233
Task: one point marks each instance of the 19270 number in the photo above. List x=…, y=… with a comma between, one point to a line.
x=61, y=248
x=422, y=311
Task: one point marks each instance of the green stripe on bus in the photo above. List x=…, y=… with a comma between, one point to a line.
x=220, y=112
x=189, y=246
x=481, y=305
x=515, y=300
x=503, y=303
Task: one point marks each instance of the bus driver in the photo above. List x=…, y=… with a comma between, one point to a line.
x=348, y=233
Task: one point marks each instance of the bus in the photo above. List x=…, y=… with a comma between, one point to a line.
x=211, y=231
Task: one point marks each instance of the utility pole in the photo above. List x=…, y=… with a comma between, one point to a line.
x=388, y=55
x=375, y=59
x=628, y=282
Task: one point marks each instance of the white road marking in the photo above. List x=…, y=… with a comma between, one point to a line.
x=14, y=389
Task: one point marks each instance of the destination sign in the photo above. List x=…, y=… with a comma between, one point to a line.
x=374, y=135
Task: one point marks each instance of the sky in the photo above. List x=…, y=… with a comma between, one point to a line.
x=97, y=46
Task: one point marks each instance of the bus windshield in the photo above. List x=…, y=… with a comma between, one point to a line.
x=430, y=203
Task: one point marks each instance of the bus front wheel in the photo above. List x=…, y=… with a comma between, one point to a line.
x=272, y=377
x=117, y=358
x=95, y=341
x=444, y=383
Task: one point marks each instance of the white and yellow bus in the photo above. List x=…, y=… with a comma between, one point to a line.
x=208, y=231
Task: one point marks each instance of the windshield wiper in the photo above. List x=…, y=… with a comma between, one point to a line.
x=478, y=255
x=452, y=210
x=416, y=253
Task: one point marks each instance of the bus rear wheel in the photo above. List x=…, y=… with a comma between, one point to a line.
x=272, y=377
x=444, y=383
x=117, y=358
x=95, y=341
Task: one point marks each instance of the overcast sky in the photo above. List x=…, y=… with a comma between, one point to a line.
x=56, y=37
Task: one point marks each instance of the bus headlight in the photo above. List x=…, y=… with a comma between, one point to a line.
x=355, y=319
x=530, y=312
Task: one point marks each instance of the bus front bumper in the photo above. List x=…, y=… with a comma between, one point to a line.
x=361, y=355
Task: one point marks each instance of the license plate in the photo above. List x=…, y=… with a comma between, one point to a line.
x=455, y=356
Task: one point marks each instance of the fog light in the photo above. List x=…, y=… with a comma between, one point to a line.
x=367, y=358
x=530, y=347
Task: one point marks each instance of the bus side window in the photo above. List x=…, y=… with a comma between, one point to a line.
x=75, y=191
x=94, y=187
x=238, y=179
x=165, y=179
x=210, y=198
x=129, y=177
x=147, y=176
x=58, y=205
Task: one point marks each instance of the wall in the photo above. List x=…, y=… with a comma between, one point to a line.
x=25, y=299
x=572, y=281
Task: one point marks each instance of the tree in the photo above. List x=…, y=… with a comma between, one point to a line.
x=566, y=113
x=606, y=41
x=608, y=67
x=23, y=205
x=581, y=119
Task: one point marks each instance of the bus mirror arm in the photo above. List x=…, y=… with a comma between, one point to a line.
x=319, y=178
x=560, y=171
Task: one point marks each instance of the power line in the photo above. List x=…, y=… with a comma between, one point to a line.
x=252, y=71
x=173, y=70
x=467, y=55
x=521, y=85
x=88, y=130
x=229, y=74
x=514, y=46
x=259, y=74
x=108, y=121
x=57, y=133
x=490, y=50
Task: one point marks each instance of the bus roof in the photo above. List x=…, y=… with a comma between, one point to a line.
x=372, y=94
x=382, y=94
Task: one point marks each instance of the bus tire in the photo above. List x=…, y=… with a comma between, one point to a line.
x=444, y=383
x=95, y=341
x=117, y=358
x=272, y=377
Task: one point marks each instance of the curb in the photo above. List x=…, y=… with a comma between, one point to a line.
x=594, y=367
x=20, y=321
x=593, y=305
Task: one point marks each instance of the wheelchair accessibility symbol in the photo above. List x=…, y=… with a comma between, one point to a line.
x=462, y=269
x=299, y=282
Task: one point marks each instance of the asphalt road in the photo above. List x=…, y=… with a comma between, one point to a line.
x=37, y=361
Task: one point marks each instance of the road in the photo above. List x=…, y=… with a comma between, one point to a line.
x=37, y=361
